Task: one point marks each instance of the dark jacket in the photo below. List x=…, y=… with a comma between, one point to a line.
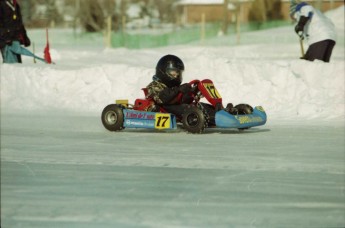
x=162, y=94
x=11, y=24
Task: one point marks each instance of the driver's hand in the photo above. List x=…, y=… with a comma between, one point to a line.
x=194, y=88
x=185, y=88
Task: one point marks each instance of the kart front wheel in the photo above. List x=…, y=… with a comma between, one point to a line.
x=244, y=109
x=112, y=117
x=193, y=120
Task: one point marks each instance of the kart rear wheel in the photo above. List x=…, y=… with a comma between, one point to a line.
x=193, y=120
x=244, y=109
x=112, y=117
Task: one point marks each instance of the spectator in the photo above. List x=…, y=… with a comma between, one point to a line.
x=316, y=28
x=12, y=32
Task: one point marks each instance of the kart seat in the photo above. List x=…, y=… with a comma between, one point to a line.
x=144, y=104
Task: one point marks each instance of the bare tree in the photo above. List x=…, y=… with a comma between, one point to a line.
x=264, y=10
x=273, y=10
x=123, y=9
x=166, y=10
x=258, y=11
x=91, y=16
x=53, y=14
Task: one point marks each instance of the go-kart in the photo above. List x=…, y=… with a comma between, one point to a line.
x=145, y=113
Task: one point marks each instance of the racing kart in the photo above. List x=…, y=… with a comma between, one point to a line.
x=145, y=113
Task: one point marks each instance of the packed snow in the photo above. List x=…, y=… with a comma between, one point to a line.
x=61, y=168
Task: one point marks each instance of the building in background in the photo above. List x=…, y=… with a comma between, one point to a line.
x=191, y=10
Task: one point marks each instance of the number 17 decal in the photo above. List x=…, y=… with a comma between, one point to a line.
x=162, y=121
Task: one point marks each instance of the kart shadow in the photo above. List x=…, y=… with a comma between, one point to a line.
x=179, y=129
x=154, y=131
x=234, y=131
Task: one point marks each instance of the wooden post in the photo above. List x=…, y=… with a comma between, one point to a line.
x=124, y=43
x=108, y=32
x=76, y=16
x=202, y=32
x=238, y=22
x=33, y=50
x=226, y=15
x=123, y=24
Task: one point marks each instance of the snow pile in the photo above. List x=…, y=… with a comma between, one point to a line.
x=337, y=16
x=87, y=77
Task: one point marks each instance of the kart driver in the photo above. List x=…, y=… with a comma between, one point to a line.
x=166, y=87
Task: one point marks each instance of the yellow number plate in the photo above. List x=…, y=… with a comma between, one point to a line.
x=162, y=121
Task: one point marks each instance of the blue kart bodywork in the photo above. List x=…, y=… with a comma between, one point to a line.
x=226, y=120
x=158, y=120
x=148, y=120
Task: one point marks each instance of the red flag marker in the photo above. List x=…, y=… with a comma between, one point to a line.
x=47, y=57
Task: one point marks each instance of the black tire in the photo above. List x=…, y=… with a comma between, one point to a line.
x=193, y=120
x=112, y=117
x=244, y=109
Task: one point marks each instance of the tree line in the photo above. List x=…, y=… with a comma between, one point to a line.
x=91, y=14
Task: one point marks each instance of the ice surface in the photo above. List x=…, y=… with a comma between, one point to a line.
x=67, y=171
x=61, y=168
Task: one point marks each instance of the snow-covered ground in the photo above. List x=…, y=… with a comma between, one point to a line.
x=61, y=168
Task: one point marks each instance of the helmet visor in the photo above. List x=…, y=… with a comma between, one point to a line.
x=174, y=73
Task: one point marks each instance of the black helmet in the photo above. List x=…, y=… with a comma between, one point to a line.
x=169, y=70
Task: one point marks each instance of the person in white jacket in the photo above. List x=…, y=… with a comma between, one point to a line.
x=318, y=30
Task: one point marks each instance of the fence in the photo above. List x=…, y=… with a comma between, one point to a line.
x=182, y=35
x=173, y=37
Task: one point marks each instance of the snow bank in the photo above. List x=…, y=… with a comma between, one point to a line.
x=337, y=16
x=87, y=77
x=293, y=88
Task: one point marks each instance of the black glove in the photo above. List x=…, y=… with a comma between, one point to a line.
x=299, y=31
x=301, y=35
x=185, y=88
x=299, y=28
